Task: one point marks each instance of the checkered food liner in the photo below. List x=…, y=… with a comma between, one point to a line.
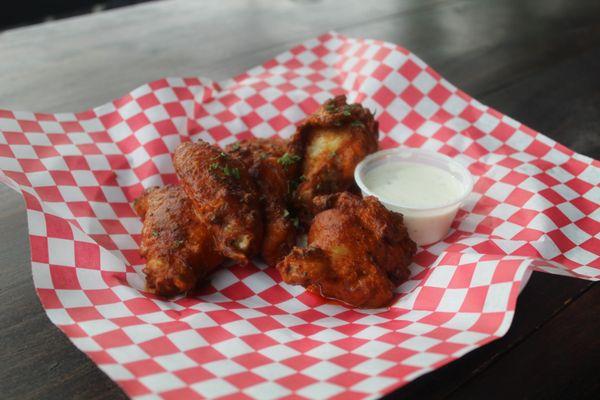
x=535, y=206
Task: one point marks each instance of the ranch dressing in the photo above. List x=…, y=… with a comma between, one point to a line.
x=413, y=185
x=426, y=188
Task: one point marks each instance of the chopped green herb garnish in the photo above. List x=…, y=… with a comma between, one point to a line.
x=347, y=110
x=235, y=146
x=296, y=222
x=288, y=159
x=337, y=123
x=179, y=243
x=155, y=233
x=357, y=123
x=214, y=166
x=331, y=107
x=229, y=171
x=332, y=154
x=286, y=213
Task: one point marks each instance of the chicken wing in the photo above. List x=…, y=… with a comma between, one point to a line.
x=358, y=251
x=178, y=247
x=224, y=196
x=331, y=142
x=271, y=167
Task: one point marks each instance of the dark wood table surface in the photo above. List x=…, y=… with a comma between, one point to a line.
x=537, y=61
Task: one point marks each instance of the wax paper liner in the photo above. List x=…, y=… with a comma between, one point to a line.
x=535, y=206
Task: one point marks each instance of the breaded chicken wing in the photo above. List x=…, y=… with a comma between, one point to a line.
x=224, y=196
x=331, y=142
x=272, y=169
x=358, y=251
x=178, y=247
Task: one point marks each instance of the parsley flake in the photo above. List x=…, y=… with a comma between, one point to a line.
x=288, y=159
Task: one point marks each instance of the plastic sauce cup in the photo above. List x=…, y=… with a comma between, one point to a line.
x=426, y=224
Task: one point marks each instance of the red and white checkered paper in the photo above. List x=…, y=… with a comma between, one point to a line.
x=535, y=206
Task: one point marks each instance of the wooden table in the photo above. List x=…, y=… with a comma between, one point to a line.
x=537, y=61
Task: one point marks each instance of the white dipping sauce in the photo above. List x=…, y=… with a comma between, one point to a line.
x=413, y=185
x=425, y=187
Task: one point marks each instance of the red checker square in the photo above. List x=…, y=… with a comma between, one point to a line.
x=148, y=100
x=437, y=318
x=141, y=306
x=552, y=196
x=237, y=291
x=30, y=126
x=381, y=72
x=73, y=331
x=444, y=134
x=87, y=255
x=584, y=205
x=514, y=178
x=266, y=323
x=31, y=165
x=161, y=346
x=15, y=138
x=446, y=348
x=71, y=126
x=413, y=120
x=488, y=247
x=505, y=271
x=518, y=197
x=39, y=248
x=292, y=63
x=503, y=131
x=223, y=316
x=410, y=70
x=111, y=119
x=475, y=150
x=251, y=119
x=295, y=381
x=439, y=94
x=523, y=217
x=282, y=103
x=394, y=337
x=44, y=151
x=475, y=299
x=138, y=121
x=316, y=78
x=123, y=101
x=113, y=226
x=129, y=144
x=165, y=127
x=318, y=65
x=349, y=329
x=441, y=333
x=89, y=149
x=561, y=240
x=93, y=193
x=384, y=96
x=117, y=161
x=49, y=299
x=193, y=375
x=307, y=329
x=244, y=379
x=146, y=169
x=279, y=122
x=215, y=334
x=411, y=95
x=557, y=216
x=592, y=245
x=415, y=140
x=320, y=50
x=225, y=116
x=219, y=132
x=183, y=93
x=100, y=357
x=144, y=367
x=204, y=355
x=350, y=343
x=286, y=86
x=488, y=322
x=182, y=393
x=348, y=360
x=229, y=99
x=58, y=139
x=348, y=378
x=259, y=341
x=5, y=151
x=462, y=276
x=80, y=314
x=64, y=277
x=538, y=148
x=57, y=227
x=133, y=387
x=428, y=298
x=115, y=338
x=7, y=114
x=76, y=163
x=397, y=354
x=387, y=143
x=574, y=166
x=174, y=109
x=579, y=186
x=256, y=100
x=123, y=210
x=588, y=225
x=252, y=360
x=275, y=294
x=300, y=362
x=386, y=124
x=102, y=296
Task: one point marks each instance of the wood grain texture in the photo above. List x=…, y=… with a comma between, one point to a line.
x=534, y=60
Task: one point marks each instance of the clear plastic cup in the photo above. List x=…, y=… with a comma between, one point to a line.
x=429, y=224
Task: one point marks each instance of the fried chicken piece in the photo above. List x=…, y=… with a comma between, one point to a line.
x=224, y=196
x=178, y=247
x=331, y=142
x=358, y=251
x=270, y=166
